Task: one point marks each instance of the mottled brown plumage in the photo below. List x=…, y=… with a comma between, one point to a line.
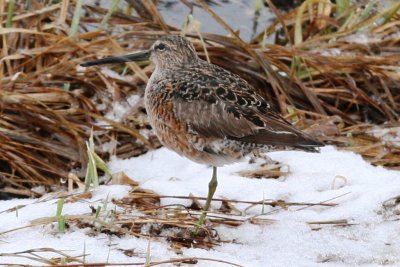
x=211, y=115
x=207, y=113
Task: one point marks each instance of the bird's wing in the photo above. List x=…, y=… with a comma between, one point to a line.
x=218, y=104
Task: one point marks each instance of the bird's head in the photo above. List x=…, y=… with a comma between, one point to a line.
x=168, y=52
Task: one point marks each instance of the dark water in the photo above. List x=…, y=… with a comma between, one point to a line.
x=239, y=14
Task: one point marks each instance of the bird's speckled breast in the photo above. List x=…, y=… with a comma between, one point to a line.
x=175, y=134
x=172, y=133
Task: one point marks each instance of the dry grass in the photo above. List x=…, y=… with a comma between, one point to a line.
x=62, y=259
x=315, y=75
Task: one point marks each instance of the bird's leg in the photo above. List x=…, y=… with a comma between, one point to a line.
x=212, y=186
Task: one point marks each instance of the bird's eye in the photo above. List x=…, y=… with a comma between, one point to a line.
x=160, y=47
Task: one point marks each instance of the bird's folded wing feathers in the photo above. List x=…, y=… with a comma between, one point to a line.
x=239, y=114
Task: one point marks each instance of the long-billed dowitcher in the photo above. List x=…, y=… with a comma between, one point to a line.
x=206, y=113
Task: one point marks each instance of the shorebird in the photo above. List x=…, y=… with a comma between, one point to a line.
x=206, y=113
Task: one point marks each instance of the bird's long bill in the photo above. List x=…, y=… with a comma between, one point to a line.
x=139, y=56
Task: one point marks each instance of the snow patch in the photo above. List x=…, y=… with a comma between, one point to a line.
x=289, y=241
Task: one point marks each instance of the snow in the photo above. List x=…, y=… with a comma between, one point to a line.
x=115, y=75
x=360, y=38
x=330, y=52
x=122, y=108
x=388, y=134
x=335, y=176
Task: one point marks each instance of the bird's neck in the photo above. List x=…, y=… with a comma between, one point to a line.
x=175, y=63
x=165, y=70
